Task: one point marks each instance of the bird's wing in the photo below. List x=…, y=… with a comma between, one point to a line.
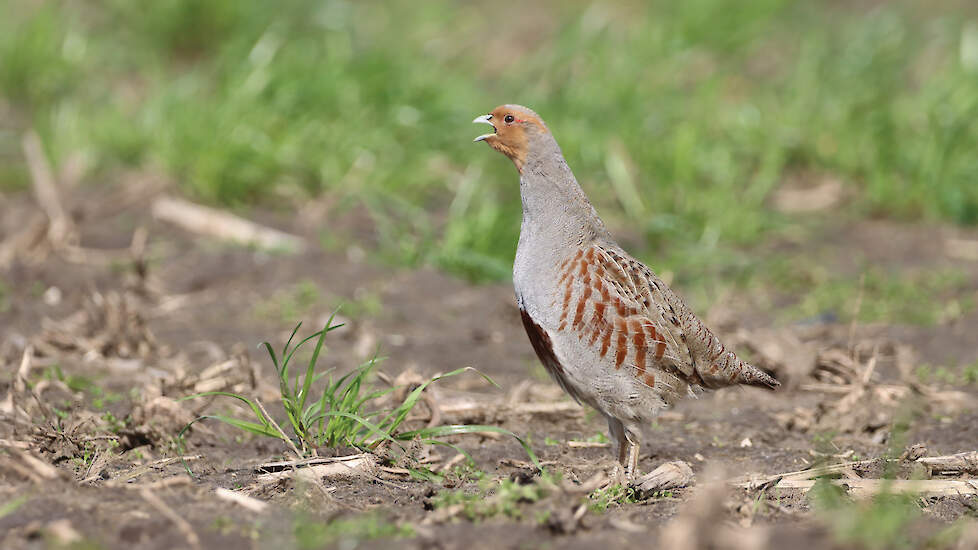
x=703, y=359
x=616, y=304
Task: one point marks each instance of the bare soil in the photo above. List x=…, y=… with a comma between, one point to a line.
x=132, y=332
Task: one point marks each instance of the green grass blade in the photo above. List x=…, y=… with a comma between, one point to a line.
x=328, y=328
x=271, y=353
x=310, y=413
x=310, y=370
x=373, y=395
x=425, y=475
x=373, y=429
x=459, y=429
x=266, y=430
x=295, y=418
x=345, y=377
x=282, y=370
x=397, y=416
x=252, y=427
x=12, y=505
x=249, y=402
x=286, y=359
x=285, y=350
x=338, y=411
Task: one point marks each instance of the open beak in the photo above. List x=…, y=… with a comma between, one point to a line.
x=485, y=119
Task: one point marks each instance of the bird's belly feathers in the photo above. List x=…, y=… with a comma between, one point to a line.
x=579, y=369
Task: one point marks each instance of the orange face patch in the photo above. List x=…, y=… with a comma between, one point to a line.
x=511, y=123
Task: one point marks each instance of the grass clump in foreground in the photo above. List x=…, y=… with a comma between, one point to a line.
x=310, y=533
x=602, y=499
x=341, y=415
x=885, y=521
x=497, y=498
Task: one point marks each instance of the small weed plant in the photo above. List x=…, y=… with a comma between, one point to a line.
x=341, y=414
x=601, y=499
x=888, y=520
x=311, y=533
x=497, y=497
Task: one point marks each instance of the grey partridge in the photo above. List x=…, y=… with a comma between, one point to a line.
x=606, y=328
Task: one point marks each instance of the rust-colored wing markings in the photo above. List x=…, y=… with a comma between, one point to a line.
x=617, y=305
x=607, y=310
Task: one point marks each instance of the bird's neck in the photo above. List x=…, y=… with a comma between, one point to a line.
x=556, y=212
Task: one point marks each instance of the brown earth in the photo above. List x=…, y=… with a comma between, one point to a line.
x=133, y=332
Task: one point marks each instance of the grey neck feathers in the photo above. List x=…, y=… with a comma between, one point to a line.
x=555, y=208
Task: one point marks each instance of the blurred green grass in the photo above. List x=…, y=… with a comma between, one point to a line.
x=698, y=109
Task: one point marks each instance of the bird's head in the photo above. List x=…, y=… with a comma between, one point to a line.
x=516, y=129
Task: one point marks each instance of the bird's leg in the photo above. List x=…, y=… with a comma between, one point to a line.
x=623, y=451
x=627, y=452
x=630, y=460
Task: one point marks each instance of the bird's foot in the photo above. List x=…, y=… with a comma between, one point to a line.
x=621, y=475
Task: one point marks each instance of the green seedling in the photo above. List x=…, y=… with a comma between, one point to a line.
x=340, y=416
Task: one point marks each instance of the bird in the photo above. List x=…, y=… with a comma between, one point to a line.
x=609, y=331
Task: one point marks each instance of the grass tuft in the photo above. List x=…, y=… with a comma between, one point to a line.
x=881, y=522
x=601, y=499
x=341, y=414
x=496, y=497
x=312, y=534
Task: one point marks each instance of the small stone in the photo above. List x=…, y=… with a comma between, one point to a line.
x=52, y=296
x=397, y=340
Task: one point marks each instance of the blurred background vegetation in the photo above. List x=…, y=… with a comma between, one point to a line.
x=680, y=118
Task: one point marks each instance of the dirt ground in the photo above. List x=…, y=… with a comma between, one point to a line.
x=118, y=330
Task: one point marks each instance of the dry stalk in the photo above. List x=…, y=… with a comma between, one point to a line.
x=956, y=464
x=353, y=465
x=278, y=428
x=587, y=445
x=395, y=471
x=41, y=468
x=223, y=225
x=123, y=480
x=270, y=467
x=855, y=314
x=452, y=462
x=962, y=249
x=245, y=501
x=862, y=488
x=63, y=532
x=316, y=479
x=60, y=228
x=434, y=408
x=168, y=483
x=593, y=483
x=181, y=524
x=20, y=381
x=623, y=524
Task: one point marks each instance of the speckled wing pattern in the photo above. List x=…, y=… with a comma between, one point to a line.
x=616, y=304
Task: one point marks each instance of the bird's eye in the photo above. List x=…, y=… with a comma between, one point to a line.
x=508, y=119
